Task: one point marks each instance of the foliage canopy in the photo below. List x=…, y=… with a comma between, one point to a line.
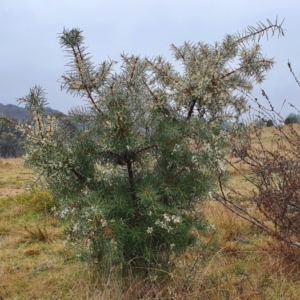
x=292, y=118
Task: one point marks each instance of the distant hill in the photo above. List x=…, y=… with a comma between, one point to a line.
x=20, y=113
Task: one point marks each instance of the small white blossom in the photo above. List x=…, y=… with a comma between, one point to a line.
x=76, y=85
x=149, y=230
x=194, y=159
x=212, y=227
x=75, y=227
x=113, y=244
x=176, y=219
x=167, y=217
x=153, y=278
x=163, y=225
x=103, y=222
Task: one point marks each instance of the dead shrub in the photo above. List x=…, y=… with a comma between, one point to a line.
x=38, y=234
x=272, y=174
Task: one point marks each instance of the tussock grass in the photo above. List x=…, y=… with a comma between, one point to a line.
x=236, y=260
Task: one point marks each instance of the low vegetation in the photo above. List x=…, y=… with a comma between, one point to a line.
x=236, y=260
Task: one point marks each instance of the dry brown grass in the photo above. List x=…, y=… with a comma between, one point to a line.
x=13, y=176
x=238, y=261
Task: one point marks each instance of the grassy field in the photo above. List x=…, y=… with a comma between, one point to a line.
x=13, y=177
x=239, y=261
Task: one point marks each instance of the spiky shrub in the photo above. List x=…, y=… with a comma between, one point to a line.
x=130, y=167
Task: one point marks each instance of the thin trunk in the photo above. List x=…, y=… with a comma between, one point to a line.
x=132, y=189
x=191, y=109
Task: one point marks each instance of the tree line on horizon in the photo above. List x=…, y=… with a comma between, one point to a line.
x=12, y=142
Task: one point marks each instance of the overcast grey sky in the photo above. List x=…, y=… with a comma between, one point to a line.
x=31, y=55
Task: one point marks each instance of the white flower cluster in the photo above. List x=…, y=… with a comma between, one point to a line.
x=149, y=230
x=211, y=227
x=75, y=227
x=167, y=221
x=114, y=244
x=107, y=173
x=216, y=151
x=93, y=212
x=176, y=148
x=42, y=129
x=76, y=85
x=66, y=212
